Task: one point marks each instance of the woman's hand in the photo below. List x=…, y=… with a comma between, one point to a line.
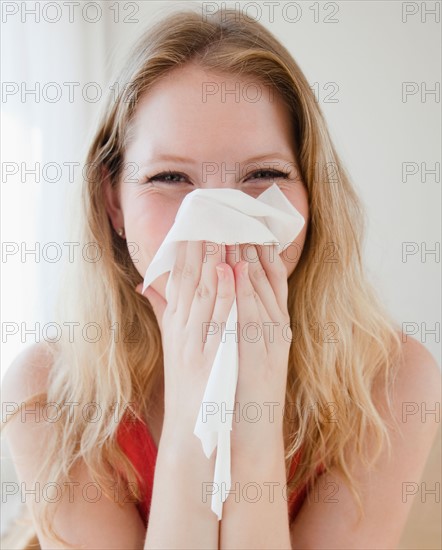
x=196, y=298
x=264, y=338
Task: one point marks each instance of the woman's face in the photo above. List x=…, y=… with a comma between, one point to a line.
x=211, y=131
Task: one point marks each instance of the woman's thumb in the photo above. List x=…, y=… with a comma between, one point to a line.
x=157, y=302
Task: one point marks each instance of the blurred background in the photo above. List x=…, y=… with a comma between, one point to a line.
x=375, y=68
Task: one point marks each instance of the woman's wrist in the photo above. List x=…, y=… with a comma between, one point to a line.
x=259, y=450
x=178, y=442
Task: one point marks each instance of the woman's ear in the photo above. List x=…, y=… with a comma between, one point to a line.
x=111, y=197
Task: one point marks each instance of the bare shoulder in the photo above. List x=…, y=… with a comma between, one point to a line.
x=416, y=395
x=25, y=377
x=28, y=373
x=419, y=375
x=390, y=486
x=26, y=439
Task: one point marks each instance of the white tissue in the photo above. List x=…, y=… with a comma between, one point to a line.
x=225, y=216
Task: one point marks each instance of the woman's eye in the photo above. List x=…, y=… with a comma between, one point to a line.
x=168, y=177
x=177, y=177
x=269, y=174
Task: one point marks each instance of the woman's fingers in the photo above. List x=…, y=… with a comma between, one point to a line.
x=189, y=270
x=203, y=297
x=225, y=295
x=252, y=342
x=276, y=274
x=174, y=281
x=202, y=300
x=259, y=277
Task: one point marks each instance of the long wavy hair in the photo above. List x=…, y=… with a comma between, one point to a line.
x=343, y=338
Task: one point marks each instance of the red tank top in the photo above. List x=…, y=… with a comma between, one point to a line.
x=138, y=445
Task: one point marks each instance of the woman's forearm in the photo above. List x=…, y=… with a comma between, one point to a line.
x=179, y=516
x=256, y=515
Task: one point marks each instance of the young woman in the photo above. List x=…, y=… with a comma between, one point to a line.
x=119, y=466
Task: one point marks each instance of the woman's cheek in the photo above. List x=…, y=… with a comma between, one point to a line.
x=292, y=254
x=145, y=246
x=148, y=223
x=298, y=197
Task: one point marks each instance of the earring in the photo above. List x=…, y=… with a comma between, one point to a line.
x=120, y=232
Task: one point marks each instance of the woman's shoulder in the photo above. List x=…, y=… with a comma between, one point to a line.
x=415, y=392
x=418, y=373
x=27, y=374
x=26, y=440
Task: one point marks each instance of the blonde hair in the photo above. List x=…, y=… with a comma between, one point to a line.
x=335, y=294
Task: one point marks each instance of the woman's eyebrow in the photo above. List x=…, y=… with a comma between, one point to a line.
x=185, y=160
